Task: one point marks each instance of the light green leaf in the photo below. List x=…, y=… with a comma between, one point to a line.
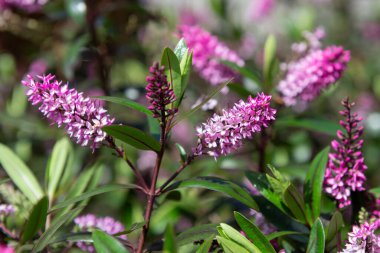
x=313, y=185
x=238, y=238
x=317, y=238
x=181, y=49
x=254, y=234
x=217, y=184
x=186, y=66
x=170, y=245
x=20, y=174
x=205, y=246
x=133, y=136
x=127, y=103
x=269, y=59
x=36, y=220
x=57, y=163
x=105, y=243
x=172, y=70
x=230, y=246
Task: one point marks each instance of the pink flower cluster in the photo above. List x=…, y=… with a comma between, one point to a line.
x=6, y=249
x=345, y=168
x=6, y=210
x=158, y=92
x=89, y=222
x=223, y=134
x=83, y=118
x=26, y=5
x=307, y=77
x=261, y=8
x=362, y=239
x=208, y=51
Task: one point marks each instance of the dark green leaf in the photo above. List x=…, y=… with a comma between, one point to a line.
x=36, y=220
x=205, y=246
x=294, y=201
x=91, y=193
x=217, y=184
x=172, y=70
x=316, y=125
x=57, y=163
x=275, y=235
x=132, y=228
x=127, y=103
x=133, y=136
x=105, y=243
x=230, y=246
x=254, y=234
x=240, y=90
x=181, y=49
x=244, y=72
x=334, y=226
x=20, y=174
x=173, y=195
x=317, y=238
x=170, y=240
x=186, y=66
x=196, y=233
x=182, y=152
x=313, y=185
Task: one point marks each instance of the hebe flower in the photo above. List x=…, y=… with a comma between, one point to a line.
x=208, y=51
x=89, y=222
x=222, y=134
x=26, y=5
x=83, y=118
x=306, y=77
x=362, y=239
x=345, y=168
x=158, y=92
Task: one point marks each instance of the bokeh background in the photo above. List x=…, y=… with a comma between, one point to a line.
x=105, y=48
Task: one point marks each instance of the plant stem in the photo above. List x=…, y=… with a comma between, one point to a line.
x=262, y=148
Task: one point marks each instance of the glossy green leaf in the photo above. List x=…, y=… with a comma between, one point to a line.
x=48, y=235
x=244, y=72
x=238, y=238
x=254, y=234
x=170, y=245
x=172, y=70
x=91, y=193
x=105, y=243
x=133, y=136
x=317, y=238
x=334, y=226
x=180, y=49
x=313, y=185
x=196, y=233
x=315, y=125
x=269, y=58
x=20, y=174
x=217, y=184
x=36, y=220
x=182, y=152
x=231, y=247
x=126, y=103
x=205, y=246
x=294, y=201
x=57, y=164
x=186, y=66
x=278, y=234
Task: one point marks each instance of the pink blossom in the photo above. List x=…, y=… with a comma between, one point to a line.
x=261, y=8
x=223, y=134
x=362, y=239
x=26, y=5
x=6, y=249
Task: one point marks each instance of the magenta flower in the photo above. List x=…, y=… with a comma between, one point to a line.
x=362, y=239
x=223, y=134
x=6, y=210
x=83, y=118
x=26, y=5
x=6, y=249
x=345, y=168
x=307, y=77
x=208, y=51
x=158, y=92
x=89, y=222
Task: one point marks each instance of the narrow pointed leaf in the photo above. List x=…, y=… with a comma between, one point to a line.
x=231, y=247
x=238, y=238
x=20, y=174
x=170, y=245
x=127, y=103
x=205, y=246
x=105, y=243
x=269, y=58
x=294, y=201
x=275, y=235
x=315, y=125
x=317, y=238
x=334, y=226
x=244, y=72
x=172, y=70
x=133, y=136
x=196, y=233
x=36, y=220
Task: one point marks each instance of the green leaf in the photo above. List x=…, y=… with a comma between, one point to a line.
x=230, y=246
x=20, y=174
x=172, y=70
x=243, y=71
x=91, y=193
x=375, y=191
x=45, y=238
x=196, y=108
x=132, y=228
x=240, y=90
x=313, y=185
x=275, y=235
x=334, y=226
x=36, y=220
x=196, y=233
x=316, y=125
x=269, y=59
x=57, y=164
x=294, y=201
x=217, y=184
x=238, y=238
x=254, y=234
x=127, y=103
x=205, y=246
x=180, y=49
x=133, y=136
x=170, y=240
x=317, y=238
x=182, y=152
x=105, y=243
x=186, y=66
